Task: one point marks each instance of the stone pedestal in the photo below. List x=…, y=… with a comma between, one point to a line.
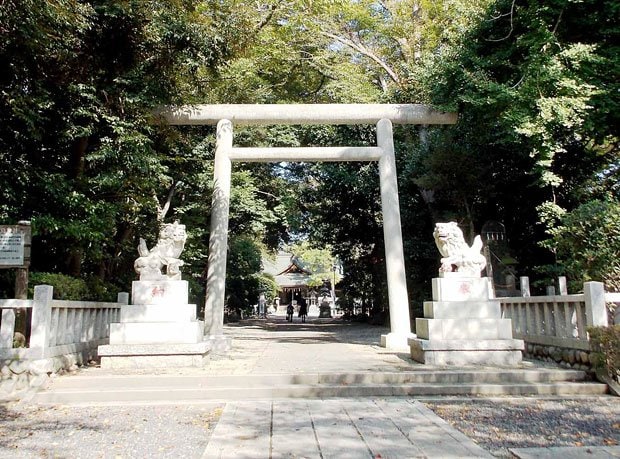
x=463, y=326
x=159, y=329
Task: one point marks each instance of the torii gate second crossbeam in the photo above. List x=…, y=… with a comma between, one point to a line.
x=381, y=114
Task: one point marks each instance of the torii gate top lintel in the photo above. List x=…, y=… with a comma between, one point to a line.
x=255, y=114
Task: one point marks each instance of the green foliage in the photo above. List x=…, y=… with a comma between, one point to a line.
x=72, y=288
x=534, y=84
x=320, y=262
x=65, y=287
x=268, y=286
x=587, y=243
x=243, y=283
x=605, y=345
x=86, y=165
x=244, y=257
x=538, y=116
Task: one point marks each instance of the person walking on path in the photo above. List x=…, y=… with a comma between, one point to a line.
x=303, y=309
x=289, y=312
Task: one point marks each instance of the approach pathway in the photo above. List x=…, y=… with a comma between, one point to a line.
x=336, y=428
x=256, y=422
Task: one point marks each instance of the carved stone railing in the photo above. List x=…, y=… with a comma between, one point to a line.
x=558, y=323
x=57, y=328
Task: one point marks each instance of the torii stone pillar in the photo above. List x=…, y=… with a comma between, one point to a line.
x=400, y=325
x=382, y=114
x=218, y=239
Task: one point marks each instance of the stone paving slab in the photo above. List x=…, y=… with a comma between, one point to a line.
x=591, y=452
x=336, y=428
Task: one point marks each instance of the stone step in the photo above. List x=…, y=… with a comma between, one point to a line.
x=179, y=395
x=506, y=376
x=174, y=388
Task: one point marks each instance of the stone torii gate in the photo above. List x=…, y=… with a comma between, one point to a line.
x=381, y=114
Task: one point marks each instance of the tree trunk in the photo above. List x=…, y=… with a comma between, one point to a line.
x=77, y=168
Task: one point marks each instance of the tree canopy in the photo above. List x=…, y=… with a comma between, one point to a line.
x=536, y=145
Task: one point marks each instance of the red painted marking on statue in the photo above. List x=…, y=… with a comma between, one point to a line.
x=158, y=291
x=465, y=288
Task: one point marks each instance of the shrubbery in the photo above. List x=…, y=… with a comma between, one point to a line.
x=605, y=345
x=73, y=288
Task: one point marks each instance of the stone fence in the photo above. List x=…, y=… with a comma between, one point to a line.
x=62, y=334
x=554, y=327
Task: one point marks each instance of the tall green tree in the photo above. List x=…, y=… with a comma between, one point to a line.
x=537, y=98
x=80, y=157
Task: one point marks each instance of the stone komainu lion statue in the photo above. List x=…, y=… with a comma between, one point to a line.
x=457, y=256
x=166, y=252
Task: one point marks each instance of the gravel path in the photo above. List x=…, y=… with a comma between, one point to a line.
x=499, y=424
x=161, y=431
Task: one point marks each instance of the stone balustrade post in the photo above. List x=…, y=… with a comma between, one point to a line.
x=596, y=309
x=562, y=286
x=524, y=281
x=122, y=298
x=510, y=282
x=41, y=319
x=7, y=328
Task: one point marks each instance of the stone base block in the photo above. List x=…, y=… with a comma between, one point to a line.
x=462, y=289
x=159, y=292
x=123, y=357
x=158, y=313
x=156, y=333
x=396, y=341
x=467, y=352
x=220, y=344
x=464, y=329
x=489, y=309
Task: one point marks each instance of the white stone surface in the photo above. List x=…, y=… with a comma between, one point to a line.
x=159, y=330
x=463, y=328
x=396, y=342
x=154, y=349
x=297, y=154
x=156, y=332
x=400, y=325
x=461, y=289
x=596, y=309
x=462, y=309
x=306, y=114
x=159, y=292
x=130, y=362
x=469, y=344
x=219, y=344
x=465, y=357
x=41, y=317
x=7, y=328
x=458, y=257
x=218, y=237
x=158, y=313
x=165, y=253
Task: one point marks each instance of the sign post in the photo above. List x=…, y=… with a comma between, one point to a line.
x=15, y=242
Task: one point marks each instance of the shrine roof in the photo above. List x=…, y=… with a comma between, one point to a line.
x=288, y=270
